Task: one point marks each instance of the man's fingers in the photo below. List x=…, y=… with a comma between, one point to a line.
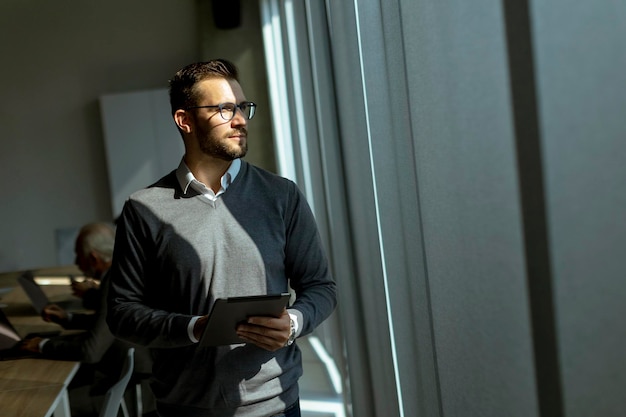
x=279, y=323
x=263, y=339
x=270, y=333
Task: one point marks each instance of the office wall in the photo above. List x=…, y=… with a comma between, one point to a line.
x=57, y=59
x=142, y=144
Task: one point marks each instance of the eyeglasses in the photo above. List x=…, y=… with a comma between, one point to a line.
x=228, y=110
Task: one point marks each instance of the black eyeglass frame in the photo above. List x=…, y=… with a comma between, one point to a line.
x=250, y=104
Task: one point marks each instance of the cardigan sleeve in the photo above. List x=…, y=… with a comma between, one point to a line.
x=307, y=265
x=130, y=316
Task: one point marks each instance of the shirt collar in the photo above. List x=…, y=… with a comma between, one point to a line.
x=186, y=178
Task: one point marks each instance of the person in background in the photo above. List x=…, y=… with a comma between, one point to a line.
x=96, y=262
x=216, y=227
x=100, y=353
x=89, y=288
x=93, y=251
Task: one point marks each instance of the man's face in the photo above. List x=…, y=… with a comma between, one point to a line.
x=217, y=137
x=83, y=260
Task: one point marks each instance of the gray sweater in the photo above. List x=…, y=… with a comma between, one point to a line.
x=176, y=252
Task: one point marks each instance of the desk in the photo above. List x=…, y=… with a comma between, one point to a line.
x=22, y=314
x=34, y=387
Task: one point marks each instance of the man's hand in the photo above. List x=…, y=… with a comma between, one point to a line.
x=31, y=345
x=199, y=326
x=269, y=333
x=79, y=288
x=54, y=313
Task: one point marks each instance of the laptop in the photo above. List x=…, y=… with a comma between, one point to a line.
x=10, y=340
x=35, y=293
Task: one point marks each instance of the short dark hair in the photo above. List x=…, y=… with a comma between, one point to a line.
x=182, y=85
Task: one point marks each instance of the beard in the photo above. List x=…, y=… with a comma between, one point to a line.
x=221, y=146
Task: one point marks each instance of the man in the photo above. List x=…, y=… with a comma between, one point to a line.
x=100, y=353
x=217, y=227
x=93, y=249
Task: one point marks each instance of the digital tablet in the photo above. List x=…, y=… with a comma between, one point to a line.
x=227, y=313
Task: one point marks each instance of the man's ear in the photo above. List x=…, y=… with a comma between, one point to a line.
x=94, y=258
x=98, y=264
x=183, y=120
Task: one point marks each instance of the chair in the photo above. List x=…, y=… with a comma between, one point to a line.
x=136, y=382
x=114, y=397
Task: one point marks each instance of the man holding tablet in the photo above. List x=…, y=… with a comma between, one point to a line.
x=216, y=228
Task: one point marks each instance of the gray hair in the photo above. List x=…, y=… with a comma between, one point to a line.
x=98, y=237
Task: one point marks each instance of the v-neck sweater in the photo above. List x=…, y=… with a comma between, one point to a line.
x=175, y=253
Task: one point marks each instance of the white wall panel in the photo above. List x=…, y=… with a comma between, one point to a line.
x=141, y=141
